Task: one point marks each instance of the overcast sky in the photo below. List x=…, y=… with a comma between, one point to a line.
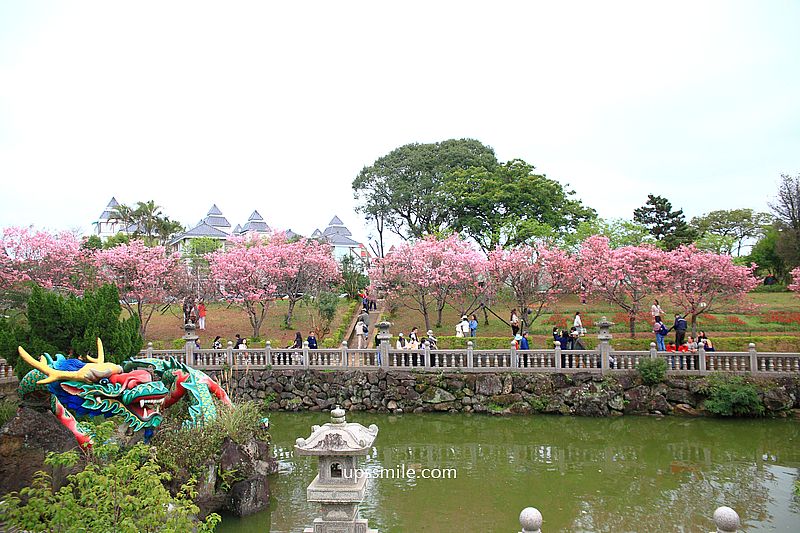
x=276, y=106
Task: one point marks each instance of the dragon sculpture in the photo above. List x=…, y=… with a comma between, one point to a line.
x=137, y=391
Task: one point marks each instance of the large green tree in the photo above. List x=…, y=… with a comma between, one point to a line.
x=667, y=226
x=735, y=226
x=402, y=192
x=764, y=254
x=510, y=204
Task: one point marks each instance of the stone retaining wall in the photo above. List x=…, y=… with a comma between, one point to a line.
x=580, y=394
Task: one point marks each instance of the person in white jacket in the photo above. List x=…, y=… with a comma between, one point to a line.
x=577, y=323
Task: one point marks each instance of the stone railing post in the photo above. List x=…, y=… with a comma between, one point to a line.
x=753, y=357
x=149, y=351
x=305, y=354
x=229, y=353
x=557, y=349
x=189, y=336
x=701, y=358
x=726, y=520
x=514, y=354
x=653, y=351
x=531, y=520
x=426, y=355
x=344, y=361
x=469, y=354
x=384, y=337
x=268, y=353
x=604, y=336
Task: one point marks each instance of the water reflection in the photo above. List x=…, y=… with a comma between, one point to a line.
x=625, y=474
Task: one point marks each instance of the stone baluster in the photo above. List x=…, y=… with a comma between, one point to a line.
x=726, y=520
x=557, y=354
x=229, y=353
x=426, y=354
x=149, y=349
x=753, y=357
x=531, y=520
x=268, y=353
x=470, y=348
x=305, y=358
x=344, y=354
x=701, y=358
x=653, y=351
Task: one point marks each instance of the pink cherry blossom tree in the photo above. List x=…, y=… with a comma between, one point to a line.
x=145, y=277
x=795, y=286
x=304, y=267
x=51, y=260
x=622, y=276
x=246, y=275
x=426, y=274
x=536, y=275
x=699, y=282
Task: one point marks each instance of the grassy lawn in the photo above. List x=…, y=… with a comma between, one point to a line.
x=166, y=329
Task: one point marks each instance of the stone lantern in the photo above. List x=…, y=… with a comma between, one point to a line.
x=604, y=336
x=384, y=340
x=339, y=486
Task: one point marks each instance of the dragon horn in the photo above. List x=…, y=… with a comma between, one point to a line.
x=52, y=373
x=100, y=354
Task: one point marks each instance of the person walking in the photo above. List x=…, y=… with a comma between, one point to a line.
x=237, y=341
x=578, y=323
x=523, y=341
x=217, y=344
x=312, y=340
x=656, y=311
x=401, y=342
x=431, y=340
x=361, y=334
x=413, y=338
x=201, y=314
x=661, y=332
x=473, y=326
x=514, y=322
x=680, y=326
x=462, y=328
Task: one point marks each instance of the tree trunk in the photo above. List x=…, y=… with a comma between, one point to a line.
x=439, y=316
x=632, y=325
x=289, y=313
x=694, y=326
x=485, y=316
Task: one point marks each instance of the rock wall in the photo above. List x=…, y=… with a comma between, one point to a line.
x=580, y=394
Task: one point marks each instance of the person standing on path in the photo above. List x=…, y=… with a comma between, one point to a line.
x=680, y=327
x=514, y=322
x=661, y=332
x=361, y=334
x=473, y=326
x=312, y=340
x=577, y=323
x=201, y=314
x=656, y=311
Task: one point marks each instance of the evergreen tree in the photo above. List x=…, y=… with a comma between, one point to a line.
x=667, y=226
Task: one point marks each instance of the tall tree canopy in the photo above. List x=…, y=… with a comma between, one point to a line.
x=667, y=226
x=786, y=208
x=510, y=204
x=735, y=225
x=147, y=222
x=402, y=191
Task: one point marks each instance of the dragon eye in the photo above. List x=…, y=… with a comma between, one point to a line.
x=104, y=381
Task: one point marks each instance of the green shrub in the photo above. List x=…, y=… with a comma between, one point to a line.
x=240, y=424
x=778, y=287
x=652, y=370
x=122, y=492
x=733, y=396
x=7, y=411
x=56, y=323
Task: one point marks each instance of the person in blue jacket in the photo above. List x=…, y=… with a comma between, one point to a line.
x=523, y=342
x=312, y=340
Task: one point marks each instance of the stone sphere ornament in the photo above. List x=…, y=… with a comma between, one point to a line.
x=726, y=519
x=531, y=520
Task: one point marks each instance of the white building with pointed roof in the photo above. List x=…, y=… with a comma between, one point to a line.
x=255, y=224
x=340, y=238
x=213, y=226
x=109, y=223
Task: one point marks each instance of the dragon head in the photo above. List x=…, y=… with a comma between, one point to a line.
x=99, y=388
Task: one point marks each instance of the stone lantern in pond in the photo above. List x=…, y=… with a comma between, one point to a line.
x=339, y=486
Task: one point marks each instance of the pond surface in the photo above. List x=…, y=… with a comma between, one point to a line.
x=638, y=474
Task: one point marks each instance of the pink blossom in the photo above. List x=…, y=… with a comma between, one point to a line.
x=52, y=261
x=795, y=286
x=145, y=276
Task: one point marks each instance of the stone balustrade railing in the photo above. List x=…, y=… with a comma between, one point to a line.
x=725, y=519
x=603, y=360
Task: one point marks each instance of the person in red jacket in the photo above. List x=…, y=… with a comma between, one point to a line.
x=201, y=314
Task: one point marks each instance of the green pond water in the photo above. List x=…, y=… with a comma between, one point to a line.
x=637, y=474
